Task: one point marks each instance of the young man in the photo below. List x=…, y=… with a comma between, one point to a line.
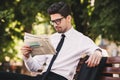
x=75, y=44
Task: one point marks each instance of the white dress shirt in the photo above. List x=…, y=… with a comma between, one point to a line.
x=75, y=44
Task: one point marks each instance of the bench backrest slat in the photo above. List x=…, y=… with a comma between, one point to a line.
x=115, y=70
x=109, y=78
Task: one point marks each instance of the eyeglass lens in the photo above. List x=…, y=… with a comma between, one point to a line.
x=57, y=21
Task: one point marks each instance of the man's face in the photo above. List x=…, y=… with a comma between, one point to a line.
x=59, y=22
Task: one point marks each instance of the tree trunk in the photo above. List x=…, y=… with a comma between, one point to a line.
x=80, y=15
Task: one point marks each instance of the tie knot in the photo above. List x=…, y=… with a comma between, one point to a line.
x=63, y=35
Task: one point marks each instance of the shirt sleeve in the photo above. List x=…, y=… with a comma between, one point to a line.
x=90, y=47
x=35, y=63
x=104, y=53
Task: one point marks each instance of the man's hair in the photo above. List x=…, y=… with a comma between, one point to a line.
x=60, y=8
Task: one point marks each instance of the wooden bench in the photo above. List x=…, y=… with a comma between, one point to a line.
x=110, y=70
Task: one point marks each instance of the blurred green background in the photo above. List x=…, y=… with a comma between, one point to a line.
x=98, y=19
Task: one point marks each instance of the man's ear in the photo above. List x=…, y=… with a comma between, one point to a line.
x=69, y=18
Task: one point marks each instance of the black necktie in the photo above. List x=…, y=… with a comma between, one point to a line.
x=54, y=57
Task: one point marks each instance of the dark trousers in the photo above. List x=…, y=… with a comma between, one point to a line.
x=17, y=76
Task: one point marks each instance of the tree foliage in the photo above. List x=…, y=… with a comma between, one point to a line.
x=17, y=16
x=105, y=20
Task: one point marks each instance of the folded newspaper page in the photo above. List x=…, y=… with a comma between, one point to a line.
x=41, y=45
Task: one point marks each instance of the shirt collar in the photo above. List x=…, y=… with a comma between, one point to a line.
x=69, y=32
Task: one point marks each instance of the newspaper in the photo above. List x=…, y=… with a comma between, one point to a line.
x=41, y=45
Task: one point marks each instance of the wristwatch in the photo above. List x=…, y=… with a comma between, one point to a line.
x=98, y=49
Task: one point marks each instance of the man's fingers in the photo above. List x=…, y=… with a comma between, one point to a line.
x=26, y=48
x=91, y=61
x=94, y=60
x=26, y=51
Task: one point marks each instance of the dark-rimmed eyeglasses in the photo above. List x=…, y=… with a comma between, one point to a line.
x=56, y=21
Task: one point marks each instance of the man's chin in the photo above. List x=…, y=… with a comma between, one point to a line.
x=59, y=32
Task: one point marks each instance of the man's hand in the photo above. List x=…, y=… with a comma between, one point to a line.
x=26, y=51
x=94, y=59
